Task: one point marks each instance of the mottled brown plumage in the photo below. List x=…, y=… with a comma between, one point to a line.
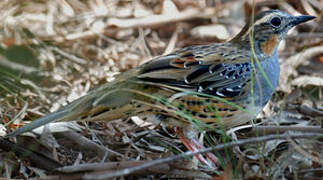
x=211, y=83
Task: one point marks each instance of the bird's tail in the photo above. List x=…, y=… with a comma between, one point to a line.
x=109, y=102
x=56, y=116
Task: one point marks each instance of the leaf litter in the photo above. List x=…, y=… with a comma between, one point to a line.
x=79, y=45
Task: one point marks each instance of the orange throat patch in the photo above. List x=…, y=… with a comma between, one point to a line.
x=268, y=46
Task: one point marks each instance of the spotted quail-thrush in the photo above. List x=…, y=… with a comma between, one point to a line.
x=220, y=82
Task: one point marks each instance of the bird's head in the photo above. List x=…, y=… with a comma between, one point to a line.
x=268, y=28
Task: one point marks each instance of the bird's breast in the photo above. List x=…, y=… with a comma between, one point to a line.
x=265, y=84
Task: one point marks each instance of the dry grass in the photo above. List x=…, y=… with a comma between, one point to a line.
x=52, y=52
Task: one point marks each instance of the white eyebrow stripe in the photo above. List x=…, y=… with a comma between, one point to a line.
x=264, y=19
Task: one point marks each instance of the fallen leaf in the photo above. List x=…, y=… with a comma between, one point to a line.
x=217, y=30
x=304, y=81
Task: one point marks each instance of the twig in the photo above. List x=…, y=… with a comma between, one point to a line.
x=307, y=110
x=265, y=130
x=69, y=56
x=175, y=168
x=128, y=171
x=85, y=144
x=154, y=20
x=149, y=21
x=110, y=166
x=38, y=160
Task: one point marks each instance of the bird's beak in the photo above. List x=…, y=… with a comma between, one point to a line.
x=300, y=19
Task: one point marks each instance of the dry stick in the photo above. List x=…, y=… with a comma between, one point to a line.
x=263, y=130
x=37, y=160
x=153, y=20
x=99, y=166
x=188, y=174
x=86, y=144
x=71, y=57
x=103, y=168
x=175, y=168
x=110, y=166
x=307, y=110
x=190, y=153
x=173, y=172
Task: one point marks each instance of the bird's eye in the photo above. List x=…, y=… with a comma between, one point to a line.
x=275, y=21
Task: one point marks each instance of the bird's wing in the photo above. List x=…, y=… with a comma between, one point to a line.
x=216, y=70
x=209, y=69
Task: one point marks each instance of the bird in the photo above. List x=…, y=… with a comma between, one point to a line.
x=219, y=83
